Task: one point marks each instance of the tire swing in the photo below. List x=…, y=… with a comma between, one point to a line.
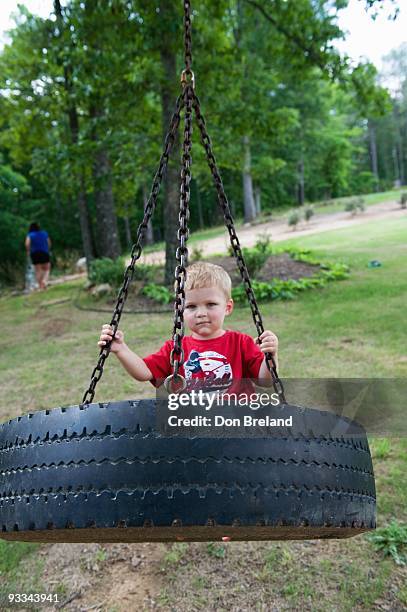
x=100, y=472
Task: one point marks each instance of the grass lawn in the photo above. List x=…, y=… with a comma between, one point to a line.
x=324, y=208
x=351, y=328
x=338, y=204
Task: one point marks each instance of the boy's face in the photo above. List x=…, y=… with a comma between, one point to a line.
x=205, y=310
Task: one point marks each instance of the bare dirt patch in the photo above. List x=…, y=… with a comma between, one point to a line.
x=56, y=327
x=119, y=577
x=285, y=267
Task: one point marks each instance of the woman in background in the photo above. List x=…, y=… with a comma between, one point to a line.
x=37, y=245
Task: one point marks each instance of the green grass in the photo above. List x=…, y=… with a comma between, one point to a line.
x=20, y=571
x=350, y=328
x=335, y=205
x=338, y=204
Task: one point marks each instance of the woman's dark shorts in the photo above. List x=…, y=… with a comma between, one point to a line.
x=40, y=257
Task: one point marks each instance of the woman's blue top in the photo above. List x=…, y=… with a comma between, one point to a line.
x=39, y=241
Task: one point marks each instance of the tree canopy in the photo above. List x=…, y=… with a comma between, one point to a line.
x=87, y=93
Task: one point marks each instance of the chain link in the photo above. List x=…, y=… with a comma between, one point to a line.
x=234, y=241
x=177, y=353
x=137, y=248
x=187, y=36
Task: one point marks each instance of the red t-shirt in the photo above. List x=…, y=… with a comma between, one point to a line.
x=213, y=364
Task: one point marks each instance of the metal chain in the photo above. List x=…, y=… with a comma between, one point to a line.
x=137, y=247
x=177, y=353
x=234, y=241
x=187, y=36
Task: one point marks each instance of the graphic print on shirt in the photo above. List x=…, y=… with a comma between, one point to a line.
x=207, y=370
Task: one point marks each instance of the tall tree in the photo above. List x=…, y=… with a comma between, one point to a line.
x=65, y=52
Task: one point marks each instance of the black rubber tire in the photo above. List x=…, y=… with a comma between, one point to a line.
x=79, y=473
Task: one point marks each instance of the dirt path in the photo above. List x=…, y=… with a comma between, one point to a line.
x=112, y=577
x=279, y=229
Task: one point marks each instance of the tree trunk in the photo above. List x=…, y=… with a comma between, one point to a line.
x=149, y=238
x=73, y=118
x=301, y=184
x=398, y=147
x=85, y=224
x=257, y=200
x=373, y=153
x=172, y=179
x=399, y=150
x=127, y=231
x=248, y=199
x=108, y=233
x=396, y=182
x=199, y=204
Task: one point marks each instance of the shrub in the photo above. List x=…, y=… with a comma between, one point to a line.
x=196, y=254
x=255, y=259
x=392, y=541
x=360, y=204
x=308, y=213
x=106, y=270
x=354, y=205
x=145, y=272
x=263, y=243
x=12, y=250
x=159, y=293
x=293, y=219
x=65, y=262
x=287, y=289
x=403, y=200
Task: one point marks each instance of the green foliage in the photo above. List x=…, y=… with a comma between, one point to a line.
x=100, y=60
x=255, y=259
x=159, y=293
x=66, y=261
x=106, y=270
x=391, y=541
x=263, y=243
x=287, y=289
x=12, y=250
x=216, y=550
x=256, y=256
x=293, y=219
x=11, y=554
x=381, y=448
x=308, y=213
x=354, y=205
x=350, y=207
x=360, y=204
x=196, y=254
x=176, y=553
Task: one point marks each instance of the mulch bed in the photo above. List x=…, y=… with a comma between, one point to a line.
x=280, y=266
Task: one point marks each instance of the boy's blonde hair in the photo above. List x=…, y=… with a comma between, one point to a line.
x=201, y=275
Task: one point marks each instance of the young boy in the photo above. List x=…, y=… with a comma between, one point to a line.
x=215, y=358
